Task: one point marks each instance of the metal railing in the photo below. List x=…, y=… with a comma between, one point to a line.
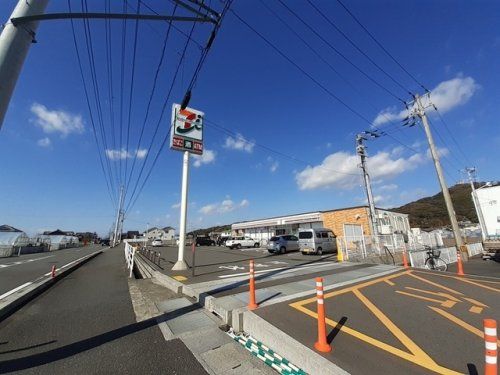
x=129, y=256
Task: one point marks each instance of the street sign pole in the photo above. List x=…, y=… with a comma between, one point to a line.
x=181, y=265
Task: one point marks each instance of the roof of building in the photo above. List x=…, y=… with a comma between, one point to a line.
x=167, y=228
x=319, y=211
x=8, y=228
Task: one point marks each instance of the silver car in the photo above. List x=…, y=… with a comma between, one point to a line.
x=282, y=244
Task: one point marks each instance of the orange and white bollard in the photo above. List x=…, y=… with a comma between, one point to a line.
x=252, y=304
x=491, y=349
x=405, y=260
x=460, y=268
x=53, y=271
x=321, y=345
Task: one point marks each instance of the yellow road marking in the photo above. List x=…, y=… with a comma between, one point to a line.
x=475, y=302
x=389, y=282
x=350, y=289
x=433, y=283
x=420, y=359
x=476, y=309
x=440, y=294
x=445, y=303
x=477, y=284
x=180, y=278
x=460, y=322
x=454, y=277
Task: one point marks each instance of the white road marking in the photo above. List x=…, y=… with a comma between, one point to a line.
x=291, y=270
x=261, y=265
x=233, y=268
x=24, y=261
x=15, y=290
x=277, y=262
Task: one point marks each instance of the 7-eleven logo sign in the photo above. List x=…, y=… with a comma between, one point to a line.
x=187, y=130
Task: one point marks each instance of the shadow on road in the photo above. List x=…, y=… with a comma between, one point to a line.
x=335, y=331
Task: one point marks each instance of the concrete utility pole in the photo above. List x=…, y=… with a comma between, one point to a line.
x=119, y=219
x=361, y=151
x=15, y=42
x=419, y=110
x=181, y=263
x=471, y=172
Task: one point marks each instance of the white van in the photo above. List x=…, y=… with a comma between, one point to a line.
x=317, y=241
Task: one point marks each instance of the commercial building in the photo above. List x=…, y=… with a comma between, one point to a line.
x=487, y=203
x=344, y=222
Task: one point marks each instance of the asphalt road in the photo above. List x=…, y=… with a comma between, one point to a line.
x=15, y=271
x=408, y=323
x=85, y=324
x=217, y=263
x=478, y=266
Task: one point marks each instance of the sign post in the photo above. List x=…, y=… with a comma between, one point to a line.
x=186, y=135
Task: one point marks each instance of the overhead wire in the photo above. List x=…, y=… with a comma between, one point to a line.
x=122, y=89
x=466, y=159
x=87, y=99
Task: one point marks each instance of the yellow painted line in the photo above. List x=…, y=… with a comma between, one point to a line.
x=379, y=344
x=460, y=322
x=421, y=297
x=441, y=274
x=435, y=284
x=475, y=302
x=180, y=278
x=440, y=294
x=477, y=284
x=449, y=304
x=389, y=282
x=476, y=309
x=346, y=290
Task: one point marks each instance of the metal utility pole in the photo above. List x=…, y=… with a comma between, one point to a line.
x=471, y=172
x=419, y=110
x=15, y=42
x=118, y=217
x=361, y=151
x=181, y=263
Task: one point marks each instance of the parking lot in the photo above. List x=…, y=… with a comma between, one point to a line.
x=407, y=322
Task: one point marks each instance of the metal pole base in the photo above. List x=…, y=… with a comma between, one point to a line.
x=180, y=265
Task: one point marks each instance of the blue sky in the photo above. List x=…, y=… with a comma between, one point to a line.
x=51, y=176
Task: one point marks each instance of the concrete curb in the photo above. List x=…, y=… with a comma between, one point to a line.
x=15, y=301
x=302, y=356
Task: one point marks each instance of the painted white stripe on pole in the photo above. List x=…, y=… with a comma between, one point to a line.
x=490, y=331
x=490, y=345
x=318, y=283
x=491, y=360
x=320, y=301
x=319, y=292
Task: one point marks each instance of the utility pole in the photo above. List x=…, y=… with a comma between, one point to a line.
x=419, y=110
x=118, y=218
x=471, y=172
x=361, y=151
x=15, y=42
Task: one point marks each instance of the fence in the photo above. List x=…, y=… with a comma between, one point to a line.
x=417, y=258
x=129, y=256
x=475, y=249
x=360, y=247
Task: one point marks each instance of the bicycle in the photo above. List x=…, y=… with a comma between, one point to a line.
x=433, y=261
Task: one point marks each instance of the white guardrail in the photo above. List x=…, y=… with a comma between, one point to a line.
x=129, y=256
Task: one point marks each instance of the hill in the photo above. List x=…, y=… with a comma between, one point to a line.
x=430, y=212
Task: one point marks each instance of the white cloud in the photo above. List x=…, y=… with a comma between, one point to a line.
x=239, y=143
x=445, y=96
x=388, y=187
x=124, y=154
x=340, y=170
x=53, y=121
x=273, y=164
x=227, y=205
x=207, y=157
x=176, y=205
x=44, y=142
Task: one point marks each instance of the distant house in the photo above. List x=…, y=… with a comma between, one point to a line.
x=165, y=234
x=131, y=234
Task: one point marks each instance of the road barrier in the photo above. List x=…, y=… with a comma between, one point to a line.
x=417, y=258
x=460, y=268
x=490, y=344
x=321, y=345
x=129, y=257
x=252, y=304
x=405, y=260
x=474, y=249
x=53, y=271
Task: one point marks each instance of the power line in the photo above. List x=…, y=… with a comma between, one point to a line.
x=87, y=98
x=380, y=44
x=466, y=159
x=329, y=20
x=345, y=58
x=122, y=89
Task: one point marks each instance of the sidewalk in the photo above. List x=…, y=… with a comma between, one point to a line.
x=86, y=324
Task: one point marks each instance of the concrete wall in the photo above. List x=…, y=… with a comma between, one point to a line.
x=335, y=220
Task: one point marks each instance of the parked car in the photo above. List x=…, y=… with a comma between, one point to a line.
x=317, y=241
x=105, y=242
x=221, y=241
x=282, y=244
x=204, y=241
x=239, y=242
x=156, y=243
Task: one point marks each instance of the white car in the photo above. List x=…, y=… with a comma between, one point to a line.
x=156, y=243
x=239, y=242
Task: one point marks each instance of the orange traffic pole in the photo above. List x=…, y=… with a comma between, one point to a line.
x=53, y=271
x=252, y=304
x=321, y=345
x=460, y=268
x=490, y=343
x=405, y=260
